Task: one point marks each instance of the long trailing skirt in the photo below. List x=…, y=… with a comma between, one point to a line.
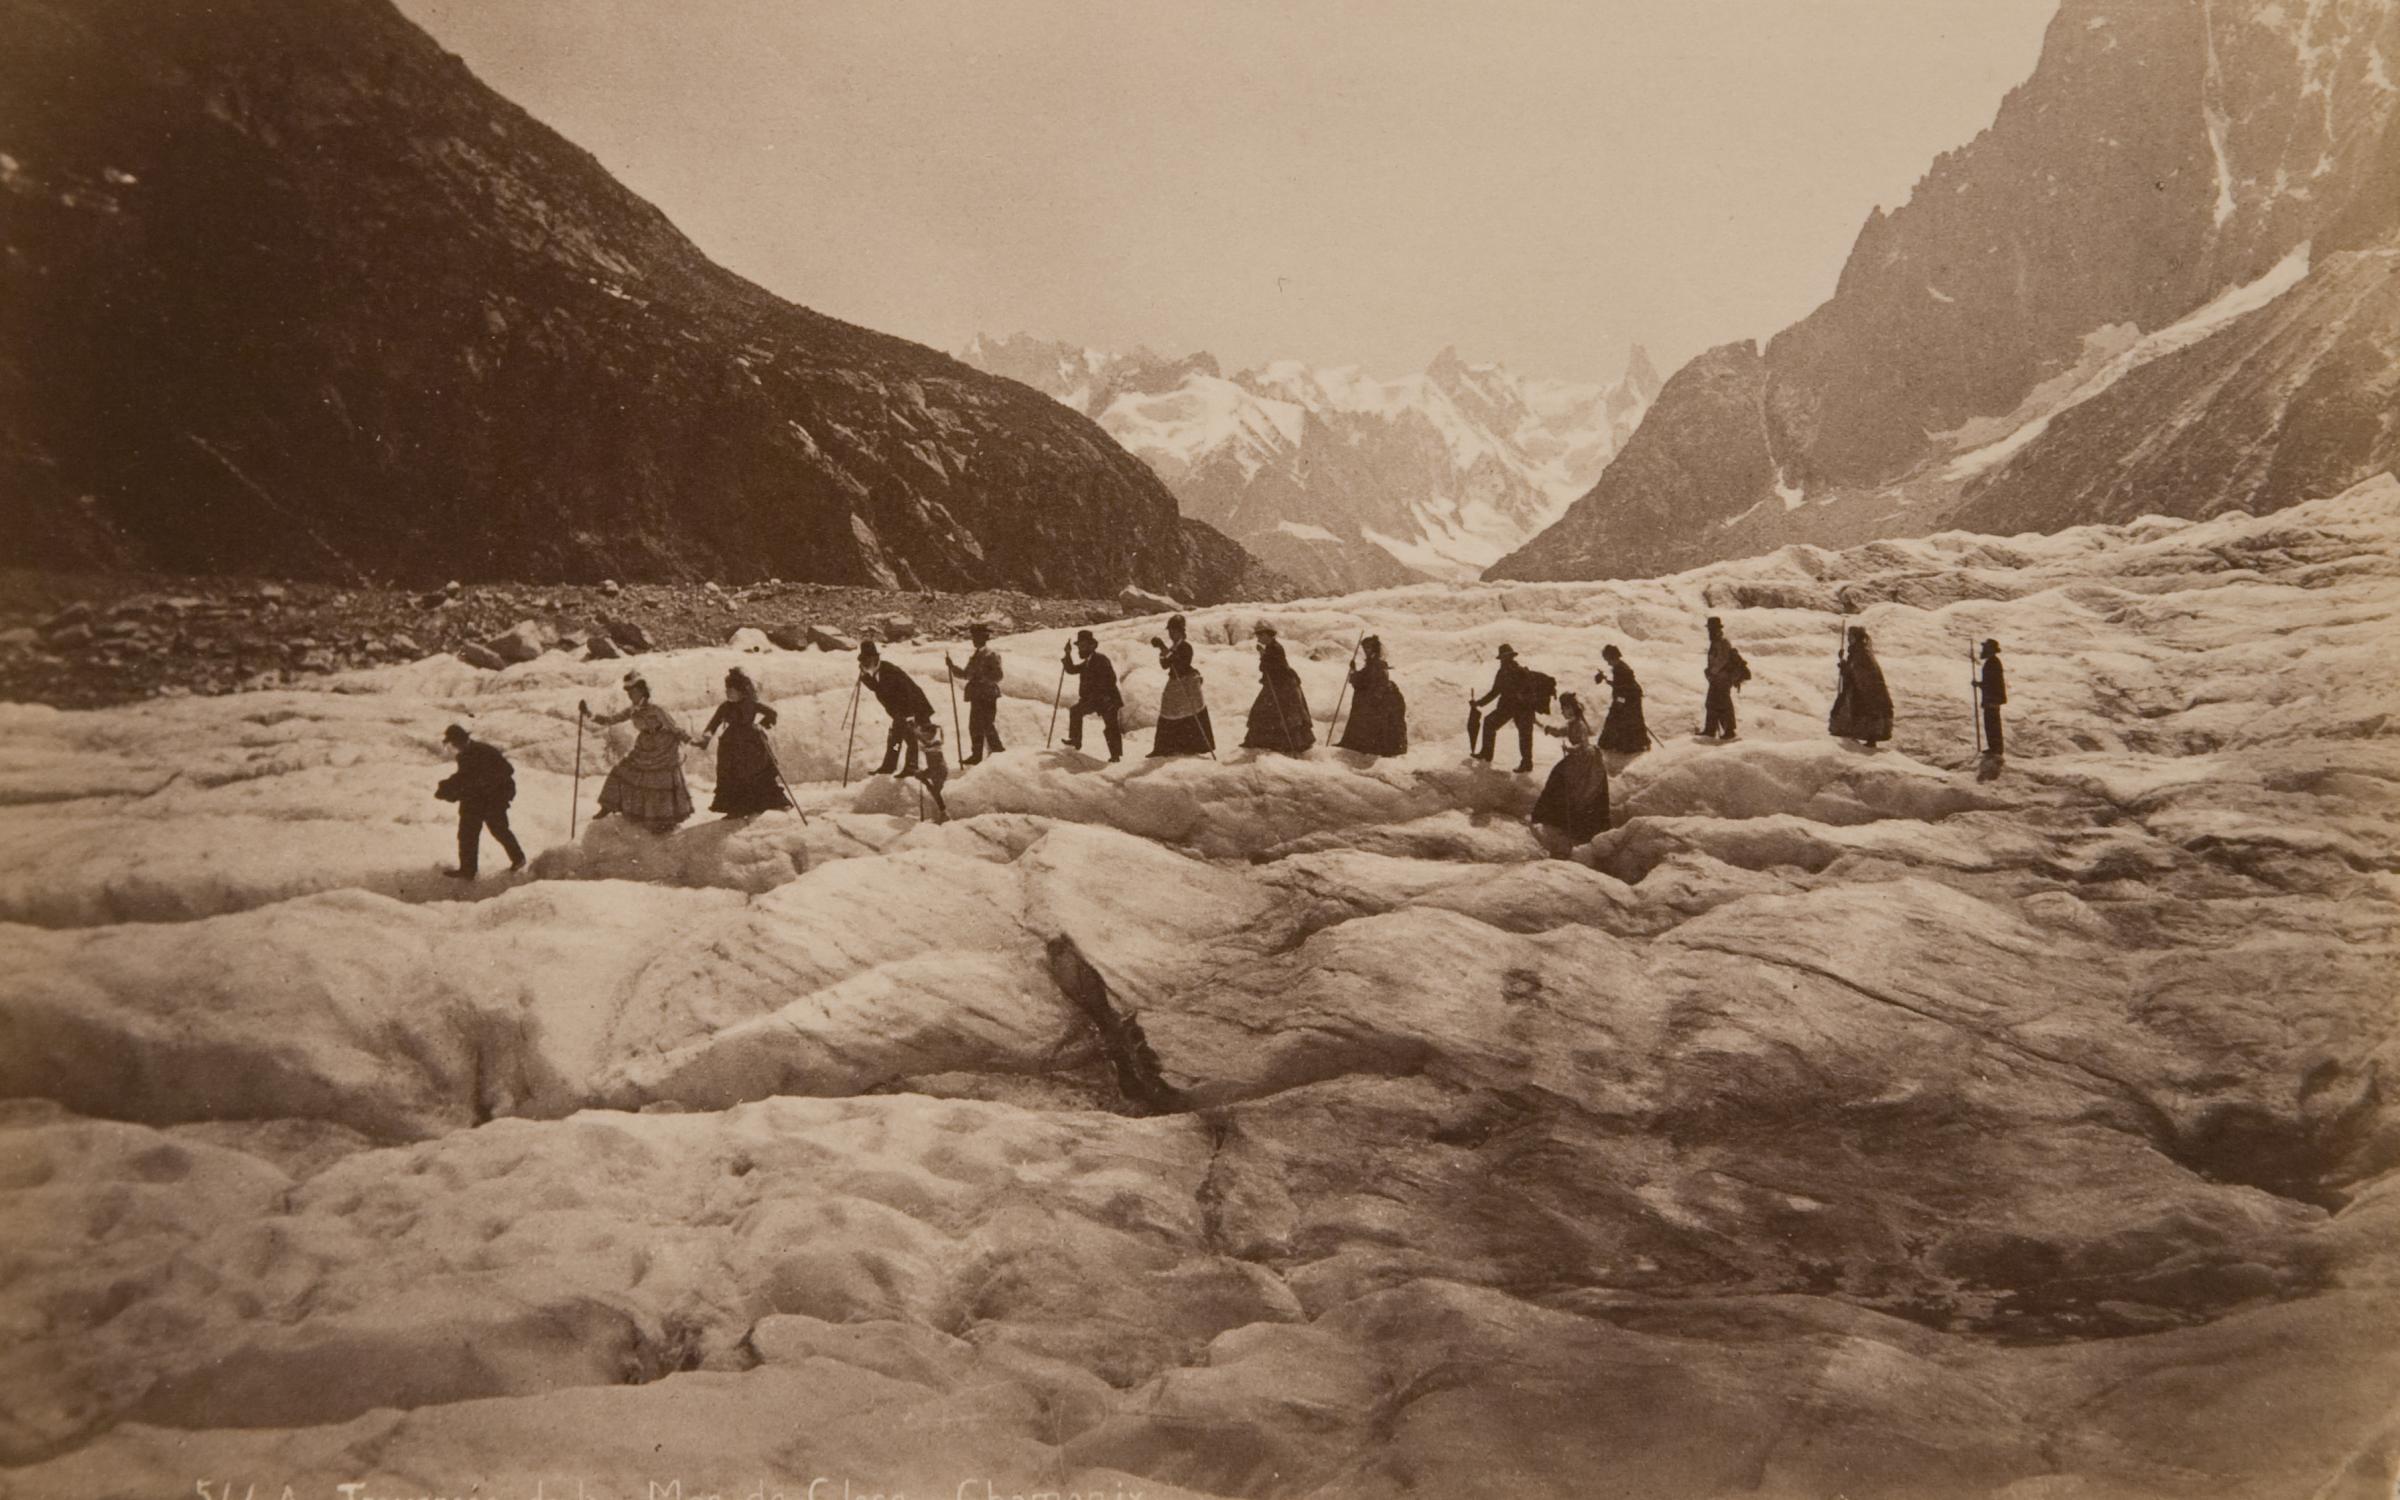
x=647, y=785
x=1378, y=723
x=1575, y=798
x=1279, y=717
x=1624, y=730
x=1183, y=725
x=1862, y=709
x=747, y=778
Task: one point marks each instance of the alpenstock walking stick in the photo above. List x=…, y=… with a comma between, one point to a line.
x=953, y=681
x=575, y=802
x=1335, y=723
x=1056, y=694
x=851, y=747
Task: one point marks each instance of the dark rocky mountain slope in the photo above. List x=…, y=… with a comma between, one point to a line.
x=285, y=290
x=2166, y=279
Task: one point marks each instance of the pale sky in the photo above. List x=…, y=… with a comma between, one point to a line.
x=1342, y=182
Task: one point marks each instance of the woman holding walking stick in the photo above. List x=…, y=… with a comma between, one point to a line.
x=1279, y=717
x=647, y=786
x=1183, y=727
x=748, y=780
x=1378, y=714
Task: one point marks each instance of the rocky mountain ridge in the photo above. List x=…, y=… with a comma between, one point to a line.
x=2166, y=279
x=1340, y=480
x=288, y=291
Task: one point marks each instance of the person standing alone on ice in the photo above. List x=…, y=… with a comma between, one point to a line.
x=982, y=678
x=1862, y=707
x=1990, y=692
x=1183, y=727
x=1378, y=714
x=901, y=698
x=1521, y=694
x=748, y=780
x=1279, y=717
x=647, y=785
x=1725, y=671
x=482, y=786
x=1096, y=695
x=1625, y=732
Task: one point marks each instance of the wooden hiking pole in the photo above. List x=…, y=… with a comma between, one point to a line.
x=955, y=739
x=851, y=746
x=1335, y=723
x=575, y=802
x=1056, y=694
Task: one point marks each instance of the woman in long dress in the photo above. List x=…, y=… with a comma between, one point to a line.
x=1279, y=718
x=647, y=785
x=1862, y=709
x=1625, y=732
x=1575, y=798
x=1183, y=727
x=1378, y=714
x=748, y=780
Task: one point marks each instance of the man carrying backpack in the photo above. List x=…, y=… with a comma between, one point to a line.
x=1521, y=694
x=482, y=786
x=1726, y=671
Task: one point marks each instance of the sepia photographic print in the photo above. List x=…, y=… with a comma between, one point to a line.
x=1285, y=749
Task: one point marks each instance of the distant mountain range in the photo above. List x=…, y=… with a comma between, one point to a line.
x=285, y=290
x=1338, y=480
x=2166, y=279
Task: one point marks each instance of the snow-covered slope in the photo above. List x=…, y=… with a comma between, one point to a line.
x=1834, y=1124
x=1339, y=479
x=2163, y=280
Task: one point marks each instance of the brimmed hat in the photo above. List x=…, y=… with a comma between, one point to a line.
x=979, y=628
x=1085, y=635
x=1991, y=648
x=1263, y=628
x=867, y=649
x=456, y=734
x=1508, y=651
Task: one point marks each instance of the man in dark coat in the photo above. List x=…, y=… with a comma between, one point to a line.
x=1725, y=672
x=1096, y=693
x=902, y=699
x=1518, y=692
x=1991, y=692
x=982, y=677
x=482, y=786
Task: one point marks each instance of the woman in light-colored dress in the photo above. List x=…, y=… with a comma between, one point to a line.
x=647, y=786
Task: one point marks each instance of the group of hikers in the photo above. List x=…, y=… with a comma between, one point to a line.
x=647, y=784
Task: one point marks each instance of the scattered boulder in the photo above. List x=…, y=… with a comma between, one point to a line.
x=788, y=637
x=20, y=639
x=73, y=614
x=76, y=634
x=522, y=641
x=454, y=588
x=894, y=627
x=627, y=634
x=601, y=648
x=609, y=586
x=404, y=646
x=828, y=640
x=1140, y=601
x=750, y=638
x=480, y=656
x=270, y=593
x=432, y=601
